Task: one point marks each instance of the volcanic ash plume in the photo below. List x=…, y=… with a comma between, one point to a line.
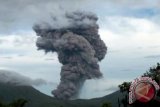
x=79, y=49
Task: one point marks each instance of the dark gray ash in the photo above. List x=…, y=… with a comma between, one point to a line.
x=79, y=48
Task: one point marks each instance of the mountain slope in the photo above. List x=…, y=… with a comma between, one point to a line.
x=10, y=92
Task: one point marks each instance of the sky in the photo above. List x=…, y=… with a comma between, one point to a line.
x=129, y=28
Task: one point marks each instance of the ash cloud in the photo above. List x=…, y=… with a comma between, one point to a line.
x=79, y=48
x=14, y=78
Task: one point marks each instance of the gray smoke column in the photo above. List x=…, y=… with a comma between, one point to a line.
x=78, y=46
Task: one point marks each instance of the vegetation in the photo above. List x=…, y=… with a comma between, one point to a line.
x=154, y=73
x=124, y=87
x=106, y=104
x=16, y=103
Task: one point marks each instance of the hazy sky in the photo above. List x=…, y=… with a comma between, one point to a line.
x=130, y=29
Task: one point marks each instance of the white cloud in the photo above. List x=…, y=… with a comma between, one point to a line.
x=100, y=87
x=129, y=32
x=17, y=79
x=22, y=14
x=22, y=46
x=135, y=3
x=19, y=53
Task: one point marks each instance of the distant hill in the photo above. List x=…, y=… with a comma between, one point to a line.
x=10, y=92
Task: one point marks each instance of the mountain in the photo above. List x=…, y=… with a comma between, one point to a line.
x=10, y=92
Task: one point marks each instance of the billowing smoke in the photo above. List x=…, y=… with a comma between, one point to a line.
x=14, y=78
x=79, y=49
